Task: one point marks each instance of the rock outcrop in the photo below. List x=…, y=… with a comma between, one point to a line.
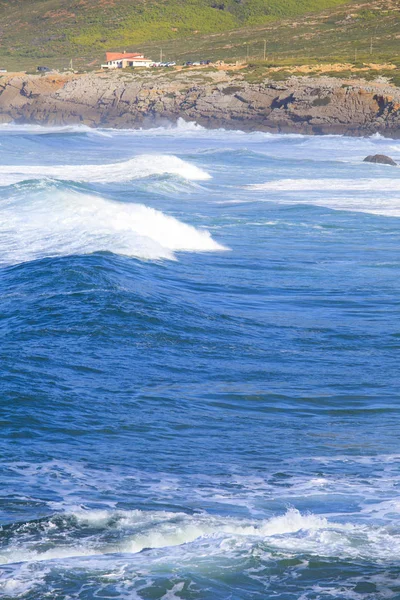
x=302, y=105
x=381, y=159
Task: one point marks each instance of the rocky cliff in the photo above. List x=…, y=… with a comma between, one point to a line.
x=304, y=105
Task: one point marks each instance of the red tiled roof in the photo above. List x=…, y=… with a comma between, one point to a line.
x=120, y=55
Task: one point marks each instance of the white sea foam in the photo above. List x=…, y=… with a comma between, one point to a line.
x=326, y=185
x=379, y=196
x=91, y=533
x=52, y=222
x=32, y=129
x=22, y=580
x=140, y=166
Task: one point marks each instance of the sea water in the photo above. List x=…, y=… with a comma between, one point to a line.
x=199, y=365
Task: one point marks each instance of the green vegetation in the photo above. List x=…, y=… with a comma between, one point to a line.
x=57, y=30
x=346, y=33
x=292, y=32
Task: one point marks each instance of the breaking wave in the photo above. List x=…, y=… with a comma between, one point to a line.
x=98, y=532
x=43, y=221
x=141, y=166
x=32, y=129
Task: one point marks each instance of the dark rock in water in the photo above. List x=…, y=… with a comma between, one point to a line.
x=380, y=159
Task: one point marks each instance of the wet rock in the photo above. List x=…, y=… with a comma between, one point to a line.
x=381, y=159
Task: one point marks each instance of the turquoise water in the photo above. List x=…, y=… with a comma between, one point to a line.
x=199, y=348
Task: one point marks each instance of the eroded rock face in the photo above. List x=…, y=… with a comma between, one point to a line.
x=381, y=159
x=303, y=105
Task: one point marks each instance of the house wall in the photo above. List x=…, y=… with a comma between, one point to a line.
x=136, y=63
x=127, y=62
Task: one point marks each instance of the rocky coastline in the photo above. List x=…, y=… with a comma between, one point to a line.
x=307, y=105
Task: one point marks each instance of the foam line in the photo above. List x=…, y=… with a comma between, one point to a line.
x=324, y=185
x=373, y=196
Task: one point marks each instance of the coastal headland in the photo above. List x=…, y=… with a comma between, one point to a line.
x=212, y=98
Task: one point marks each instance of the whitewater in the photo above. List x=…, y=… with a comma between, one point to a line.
x=199, y=365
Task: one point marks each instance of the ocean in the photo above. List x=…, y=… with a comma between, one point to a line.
x=199, y=365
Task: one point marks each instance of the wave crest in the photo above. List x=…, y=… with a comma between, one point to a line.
x=141, y=166
x=51, y=222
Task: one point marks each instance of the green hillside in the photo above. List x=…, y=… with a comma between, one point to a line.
x=356, y=32
x=294, y=32
x=57, y=30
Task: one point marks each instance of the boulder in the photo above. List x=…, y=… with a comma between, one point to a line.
x=381, y=159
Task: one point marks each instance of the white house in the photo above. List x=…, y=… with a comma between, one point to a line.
x=121, y=60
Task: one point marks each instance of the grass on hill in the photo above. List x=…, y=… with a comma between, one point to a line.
x=347, y=33
x=56, y=30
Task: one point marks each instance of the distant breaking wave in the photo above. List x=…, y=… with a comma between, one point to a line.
x=379, y=196
x=140, y=166
x=288, y=185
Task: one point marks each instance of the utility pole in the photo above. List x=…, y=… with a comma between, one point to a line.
x=160, y=54
x=247, y=51
x=370, y=48
x=355, y=54
x=265, y=49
